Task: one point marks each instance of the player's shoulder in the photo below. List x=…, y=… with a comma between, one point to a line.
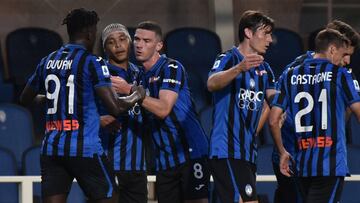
x=172, y=63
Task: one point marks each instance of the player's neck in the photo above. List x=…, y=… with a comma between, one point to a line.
x=123, y=64
x=320, y=56
x=151, y=62
x=245, y=48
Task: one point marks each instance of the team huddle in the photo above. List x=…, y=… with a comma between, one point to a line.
x=103, y=116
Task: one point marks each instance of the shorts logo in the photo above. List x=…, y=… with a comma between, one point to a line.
x=248, y=190
x=199, y=187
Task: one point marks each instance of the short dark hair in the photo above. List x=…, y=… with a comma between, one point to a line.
x=328, y=37
x=152, y=26
x=346, y=30
x=79, y=19
x=253, y=20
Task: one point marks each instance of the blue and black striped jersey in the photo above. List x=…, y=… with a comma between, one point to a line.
x=179, y=137
x=317, y=94
x=238, y=108
x=69, y=77
x=125, y=149
x=287, y=131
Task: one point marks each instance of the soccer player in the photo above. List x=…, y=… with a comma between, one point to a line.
x=242, y=85
x=71, y=78
x=287, y=189
x=122, y=137
x=317, y=93
x=181, y=146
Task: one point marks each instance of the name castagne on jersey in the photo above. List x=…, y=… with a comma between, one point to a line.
x=311, y=79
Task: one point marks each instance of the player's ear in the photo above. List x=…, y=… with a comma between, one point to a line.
x=159, y=46
x=248, y=33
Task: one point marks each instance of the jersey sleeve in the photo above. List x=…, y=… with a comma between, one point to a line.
x=35, y=81
x=99, y=71
x=223, y=62
x=350, y=86
x=280, y=98
x=172, y=76
x=271, y=77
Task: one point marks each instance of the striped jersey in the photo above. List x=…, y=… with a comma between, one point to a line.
x=68, y=77
x=237, y=109
x=179, y=137
x=287, y=131
x=125, y=148
x=317, y=94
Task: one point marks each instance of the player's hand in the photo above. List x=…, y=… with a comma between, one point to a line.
x=110, y=123
x=140, y=91
x=250, y=61
x=285, y=158
x=120, y=85
x=282, y=119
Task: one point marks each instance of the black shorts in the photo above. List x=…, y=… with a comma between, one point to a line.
x=188, y=181
x=287, y=187
x=321, y=189
x=94, y=175
x=233, y=179
x=132, y=186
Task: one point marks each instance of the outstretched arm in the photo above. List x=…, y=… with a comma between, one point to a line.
x=221, y=79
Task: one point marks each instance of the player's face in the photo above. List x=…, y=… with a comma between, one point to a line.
x=338, y=55
x=346, y=60
x=117, y=47
x=146, y=45
x=260, y=39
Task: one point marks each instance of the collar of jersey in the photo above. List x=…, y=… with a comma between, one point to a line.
x=237, y=53
x=316, y=60
x=73, y=46
x=158, y=64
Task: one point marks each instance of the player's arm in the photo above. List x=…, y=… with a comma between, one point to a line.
x=221, y=79
x=355, y=108
x=264, y=115
x=27, y=96
x=116, y=105
x=274, y=122
x=161, y=107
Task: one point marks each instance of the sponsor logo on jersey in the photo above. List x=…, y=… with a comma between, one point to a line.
x=315, y=142
x=62, y=125
x=250, y=100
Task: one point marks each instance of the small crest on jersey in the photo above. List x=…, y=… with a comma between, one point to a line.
x=260, y=72
x=248, y=190
x=356, y=84
x=153, y=79
x=216, y=64
x=2, y=116
x=252, y=83
x=173, y=65
x=105, y=71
